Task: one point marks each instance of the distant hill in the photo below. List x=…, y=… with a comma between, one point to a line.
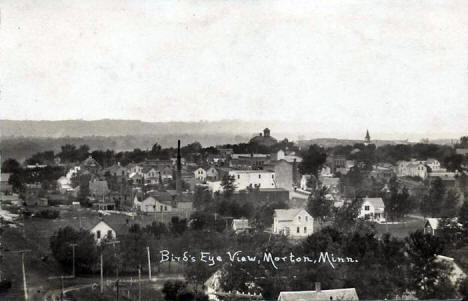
x=110, y=128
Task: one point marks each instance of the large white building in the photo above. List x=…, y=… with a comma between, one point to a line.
x=253, y=178
x=294, y=223
x=412, y=168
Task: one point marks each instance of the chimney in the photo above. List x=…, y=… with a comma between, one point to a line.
x=294, y=172
x=318, y=287
x=179, y=171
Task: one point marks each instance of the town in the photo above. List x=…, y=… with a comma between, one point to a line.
x=387, y=220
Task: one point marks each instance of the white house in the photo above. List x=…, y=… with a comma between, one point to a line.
x=412, y=168
x=200, y=174
x=294, y=223
x=135, y=169
x=103, y=231
x=433, y=164
x=151, y=205
x=253, y=178
x=372, y=209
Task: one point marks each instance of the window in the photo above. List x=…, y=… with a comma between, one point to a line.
x=259, y=176
x=272, y=176
x=98, y=234
x=238, y=176
x=305, y=229
x=165, y=208
x=307, y=218
x=299, y=218
x=298, y=230
x=366, y=208
x=109, y=234
x=161, y=208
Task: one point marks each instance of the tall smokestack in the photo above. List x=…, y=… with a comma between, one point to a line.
x=179, y=171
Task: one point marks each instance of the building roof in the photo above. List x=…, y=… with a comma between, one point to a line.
x=433, y=222
x=376, y=202
x=347, y=294
x=287, y=214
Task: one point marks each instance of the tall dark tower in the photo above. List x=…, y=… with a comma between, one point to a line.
x=367, y=138
x=179, y=171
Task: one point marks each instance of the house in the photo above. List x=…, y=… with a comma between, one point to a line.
x=212, y=174
x=341, y=294
x=294, y=223
x=117, y=170
x=433, y=164
x=200, y=174
x=412, y=168
x=5, y=187
x=431, y=225
x=64, y=185
x=151, y=175
x=91, y=165
x=372, y=209
x=101, y=231
x=239, y=225
x=152, y=204
x=244, y=179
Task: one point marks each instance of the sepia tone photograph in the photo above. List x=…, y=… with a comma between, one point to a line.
x=220, y=150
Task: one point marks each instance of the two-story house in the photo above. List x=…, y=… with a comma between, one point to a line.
x=294, y=223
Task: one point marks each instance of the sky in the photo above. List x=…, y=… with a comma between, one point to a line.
x=394, y=67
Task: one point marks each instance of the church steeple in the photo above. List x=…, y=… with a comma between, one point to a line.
x=367, y=138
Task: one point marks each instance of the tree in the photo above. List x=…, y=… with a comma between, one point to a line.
x=450, y=202
x=463, y=218
x=319, y=205
x=431, y=202
x=11, y=166
x=133, y=247
x=312, y=160
x=345, y=216
x=397, y=202
x=171, y=289
x=228, y=184
x=429, y=278
x=85, y=251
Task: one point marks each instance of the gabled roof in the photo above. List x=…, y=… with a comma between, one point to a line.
x=376, y=202
x=346, y=294
x=119, y=229
x=287, y=214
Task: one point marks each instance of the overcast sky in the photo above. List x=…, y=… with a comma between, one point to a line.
x=339, y=66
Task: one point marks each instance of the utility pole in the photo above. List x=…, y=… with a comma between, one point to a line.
x=61, y=283
x=149, y=263
x=102, y=262
x=73, y=250
x=139, y=283
x=25, y=287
